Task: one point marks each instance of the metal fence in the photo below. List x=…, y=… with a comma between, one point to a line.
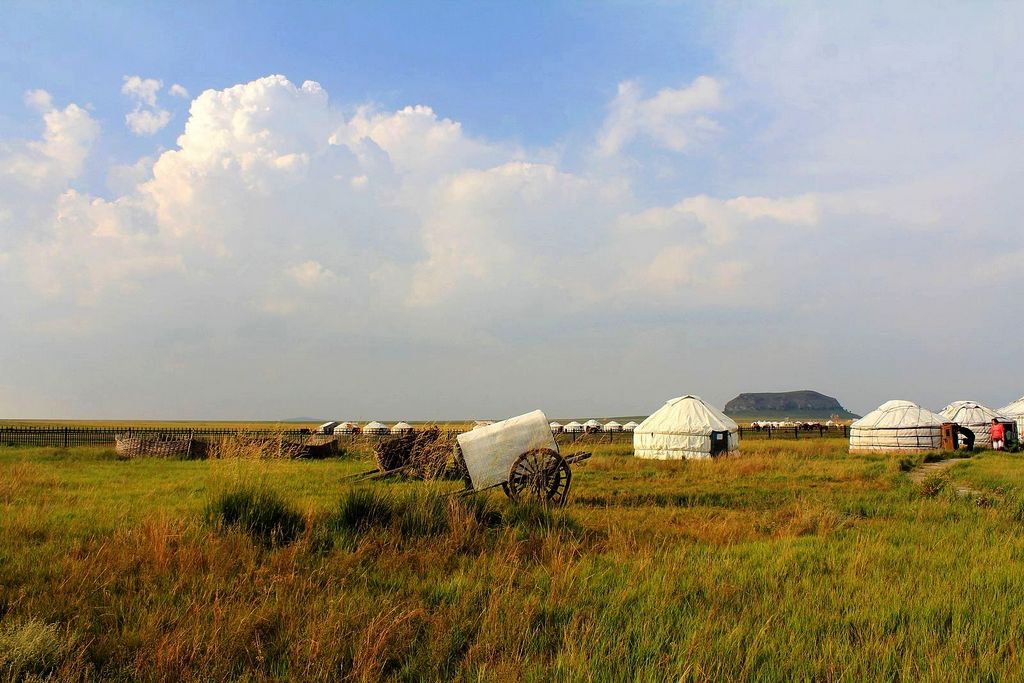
x=69, y=437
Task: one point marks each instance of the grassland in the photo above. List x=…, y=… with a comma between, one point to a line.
x=795, y=561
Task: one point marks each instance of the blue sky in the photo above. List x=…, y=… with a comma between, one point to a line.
x=611, y=203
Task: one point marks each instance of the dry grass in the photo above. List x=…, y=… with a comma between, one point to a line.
x=792, y=561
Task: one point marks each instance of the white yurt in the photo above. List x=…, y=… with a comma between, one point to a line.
x=685, y=428
x=591, y=426
x=346, y=428
x=556, y=427
x=630, y=426
x=974, y=416
x=612, y=426
x=1015, y=412
x=897, y=426
x=573, y=427
x=401, y=428
x=327, y=427
x=375, y=428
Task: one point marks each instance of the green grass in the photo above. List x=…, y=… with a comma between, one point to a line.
x=794, y=561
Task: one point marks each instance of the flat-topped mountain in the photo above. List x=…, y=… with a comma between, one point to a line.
x=794, y=404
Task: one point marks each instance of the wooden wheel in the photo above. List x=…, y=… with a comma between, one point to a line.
x=540, y=475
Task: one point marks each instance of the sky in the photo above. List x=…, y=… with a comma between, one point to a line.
x=469, y=210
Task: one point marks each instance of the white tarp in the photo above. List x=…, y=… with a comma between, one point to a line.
x=682, y=429
x=974, y=416
x=490, y=451
x=897, y=426
x=1015, y=412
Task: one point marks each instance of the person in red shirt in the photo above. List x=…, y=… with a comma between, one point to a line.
x=998, y=433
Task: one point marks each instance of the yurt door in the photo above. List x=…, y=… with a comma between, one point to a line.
x=719, y=443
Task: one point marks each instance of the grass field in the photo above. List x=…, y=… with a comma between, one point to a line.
x=794, y=561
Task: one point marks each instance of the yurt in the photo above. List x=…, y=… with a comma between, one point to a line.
x=591, y=426
x=401, y=428
x=685, y=428
x=327, y=427
x=897, y=426
x=974, y=416
x=375, y=428
x=612, y=426
x=482, y=423
x=346, y=428
x=573, y=427
x=556, y=427
x=1015, y=412
x=629, y=426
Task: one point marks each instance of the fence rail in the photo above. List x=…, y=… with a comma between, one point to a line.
x=70, y=437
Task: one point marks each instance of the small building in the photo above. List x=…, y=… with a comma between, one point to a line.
x=612, y=426
x=974, y=416
x=401, y=428
x=556, y=427
x=1015, y=412
x=591, y=426
x=347, y=428
x=327, y=427
x=629, y=426
x=376, y=428
x=897, y=426
x=573, y=427
x=686, y=428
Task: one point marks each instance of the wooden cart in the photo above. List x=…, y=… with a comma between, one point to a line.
x=521, y=456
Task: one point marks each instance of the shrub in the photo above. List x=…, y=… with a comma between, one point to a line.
x=260, y=513
x=933, y=484
x=31, y=647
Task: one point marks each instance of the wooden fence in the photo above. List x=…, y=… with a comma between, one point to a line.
x=70, y=437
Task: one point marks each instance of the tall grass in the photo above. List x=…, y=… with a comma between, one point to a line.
x=790, y=562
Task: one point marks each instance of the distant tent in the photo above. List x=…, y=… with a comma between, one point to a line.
x=974, y=416
x=629, y=426
x=612, y=426
x=591, y=426
x=401, y=428
x=1015, y=412
x=375, y=428
x=573, y=427
x=346, y=428
x=556, y=427
x=897, y=426
x=327, y=427
x=685, y=428
x=482, y=423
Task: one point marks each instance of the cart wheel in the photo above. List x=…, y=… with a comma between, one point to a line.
x=541, y=475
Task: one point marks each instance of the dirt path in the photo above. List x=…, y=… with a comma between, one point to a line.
x=925, y=470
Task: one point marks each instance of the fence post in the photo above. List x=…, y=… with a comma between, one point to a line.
x=65, y=437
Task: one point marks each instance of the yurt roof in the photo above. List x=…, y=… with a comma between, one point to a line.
x=375, y=425
x=896, y=414
x=687, y=415
x=1015, y=409
x=555, y=424
x=402, y=425
x=630, y=425
x=591, y=423
x=969, y=413
x=573, y=424
x=613, y=423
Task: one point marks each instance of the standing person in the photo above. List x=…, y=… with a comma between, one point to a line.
x=998, y=433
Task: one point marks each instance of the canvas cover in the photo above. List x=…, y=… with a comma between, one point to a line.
x=1015, y=412
x=682, y=429
x=974, y=416
x=490, y=451
x=573, y=427
x=376, y=428
x=897, y=426
x=612, y=426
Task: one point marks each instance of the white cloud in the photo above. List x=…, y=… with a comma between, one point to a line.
x=40, y=100
x=310, y=274
x=143, y=90
x=178, y=90
x=147, y=118
x=147, y=122
x=673, y=118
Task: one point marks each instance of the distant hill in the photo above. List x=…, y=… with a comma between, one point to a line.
x=805, y=404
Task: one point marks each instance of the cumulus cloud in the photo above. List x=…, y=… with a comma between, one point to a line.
x=674, y=118
x=147, y=118
x=178, y=90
